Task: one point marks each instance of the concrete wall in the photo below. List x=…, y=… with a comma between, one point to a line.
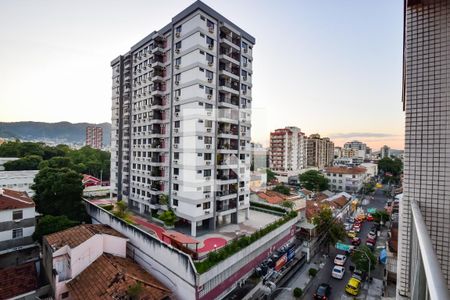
x=169, y=265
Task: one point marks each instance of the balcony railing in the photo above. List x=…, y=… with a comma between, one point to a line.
x=426, y=275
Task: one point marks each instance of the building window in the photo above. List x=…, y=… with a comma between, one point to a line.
x=175, y=202
x=206, y=173
x=17, y=215
x=64, y=295
x=207, y=205
x=178, y=29
x=178, y=45
x=17, y=233
x=210, y=24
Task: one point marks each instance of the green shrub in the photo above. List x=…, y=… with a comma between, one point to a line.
x=269, y=207
x=297, y=293
x=108, y=207
x=312, y=272
x=215, y=257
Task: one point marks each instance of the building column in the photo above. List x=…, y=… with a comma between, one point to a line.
x=193, y=228
x=247, y=213
x=141, y=208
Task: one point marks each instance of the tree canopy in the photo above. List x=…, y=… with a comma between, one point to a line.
x=59, y=192
x=270, y=175
x=390, y=165
x=332, y=230
x=35, y=156
x=313, y=180
x=282, y=189
x=49, y=224
x=360, y=259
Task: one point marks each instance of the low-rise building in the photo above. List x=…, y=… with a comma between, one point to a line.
x=17, y=219
x=372, y=169
x=89, y=262
x=18, y=180
x=347, y=179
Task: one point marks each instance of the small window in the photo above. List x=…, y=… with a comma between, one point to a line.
x=199, y=205
x=176, y=155
x=17, y=215
x=178, y=45
x=199, y=154
x=202, y=35
x=17, y=233
x=206, y=173
x=178, y=29
x=202, y=18
x=175, y=202
x=202, y=52
x=206, y=205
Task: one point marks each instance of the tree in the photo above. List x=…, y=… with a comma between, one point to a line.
x=359, y=258
x=297, y=293
x=168, y=217
x=368, y=188
x=313, y=180
x=288, y=204
x=390, y=165
x=59, y=192
x=121, y=209
x=30, y=162
x=163, y=199
x=331, y=230
x=282, y=189
x=57, y=162
x=380, y=216
x=49, y=224
x=270, y=175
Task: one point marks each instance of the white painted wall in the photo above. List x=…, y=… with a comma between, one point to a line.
x=28, y=213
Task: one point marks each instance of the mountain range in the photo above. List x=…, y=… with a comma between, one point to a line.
x=61, y=132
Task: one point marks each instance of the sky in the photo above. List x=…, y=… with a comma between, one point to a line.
x=326, y=66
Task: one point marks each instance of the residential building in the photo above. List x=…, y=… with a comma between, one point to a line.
x=320, y=151
x=385, y=151
x=260, y=157
x=346, y=179
x=359, y=149
x=372, y=169
x=17, y=219
x=94, y=137
x=287, y=149
x=337, y=152
x=348, y=161
x=89, y=262
x=423, y=269
x=18, y=180
x=181, y=110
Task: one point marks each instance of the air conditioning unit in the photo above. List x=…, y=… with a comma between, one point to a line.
x=209, y=79
x=210, y=63
x=177, y=67
x=175, y=146
x=244, y=64
x=209, y=96
x=174, y=193
x=177, y=98
x=208, y=129
x=177, y=34
x=207, y=196
x=208, y=163
x=207, y=178
x=175, y=130
x=175, y=162
x=245, y=50
x=208, y=146
x=177, y=114
x=211, y=29
x=175, y=177
x=177, y=51
x=174, y=208
x=207, y=212
x=177, y=82
x=210, y=46
x=208, y=113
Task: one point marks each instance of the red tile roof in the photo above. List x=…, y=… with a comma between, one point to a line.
x=74, y=236
x=110, y=277
x=10, y=199
x=272, y=197
x=346, y=170
x=18, y=280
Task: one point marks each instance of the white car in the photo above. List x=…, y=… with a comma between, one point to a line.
x=340, y=260
x=338, y=272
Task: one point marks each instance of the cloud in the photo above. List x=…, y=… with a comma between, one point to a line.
x=361, y=135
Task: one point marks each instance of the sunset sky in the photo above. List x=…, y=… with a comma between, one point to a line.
x=328, y=67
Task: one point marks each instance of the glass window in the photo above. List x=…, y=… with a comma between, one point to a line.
x=17, y=215
x=17, y=233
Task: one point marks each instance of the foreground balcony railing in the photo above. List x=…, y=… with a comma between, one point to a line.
x=426, y=275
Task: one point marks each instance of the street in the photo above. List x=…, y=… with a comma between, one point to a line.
x=324, y=276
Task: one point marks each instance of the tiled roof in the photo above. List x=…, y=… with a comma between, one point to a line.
x=74, y=236
x=110, y=277
x=10, y=199
x=345, y=170
x=272, y=197
x=18, y=280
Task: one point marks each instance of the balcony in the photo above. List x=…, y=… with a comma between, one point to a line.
x=228, y=72
x=229, y=86
x=229, y=55
x=225, y=206
x=158, y=90
x=229, y=101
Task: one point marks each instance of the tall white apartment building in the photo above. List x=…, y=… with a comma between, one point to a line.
x=181, y=120
x=287, y=149
x=424, y=227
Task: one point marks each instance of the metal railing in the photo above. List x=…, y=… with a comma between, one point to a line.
x=427, y=265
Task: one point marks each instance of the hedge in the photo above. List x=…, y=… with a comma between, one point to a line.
x=108, y=207
x=236, y=245
x=266, y=206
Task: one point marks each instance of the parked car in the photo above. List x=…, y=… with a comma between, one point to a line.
x=323, y=291
x=351, y=234
x=356, y=241
x=340, y=259
x=356, y=228
x=358, y=274
x=348, y=226
x=372, y=241
x=338, y=272
x=370, y=245
x=371, y=236
x=369, y=218
x=352, y=286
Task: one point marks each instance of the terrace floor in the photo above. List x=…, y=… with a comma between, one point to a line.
x=209, y=240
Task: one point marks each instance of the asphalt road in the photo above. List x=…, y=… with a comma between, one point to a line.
x=324, y=276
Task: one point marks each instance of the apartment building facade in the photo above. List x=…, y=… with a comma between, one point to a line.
x=287, y=149
x=17, y=219
x=425, y=207
x=181, y=119
x=94, y=137
x=346, y=179
x=356, y=148
x=320, y=151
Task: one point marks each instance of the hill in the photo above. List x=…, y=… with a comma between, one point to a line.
x=61, y=132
